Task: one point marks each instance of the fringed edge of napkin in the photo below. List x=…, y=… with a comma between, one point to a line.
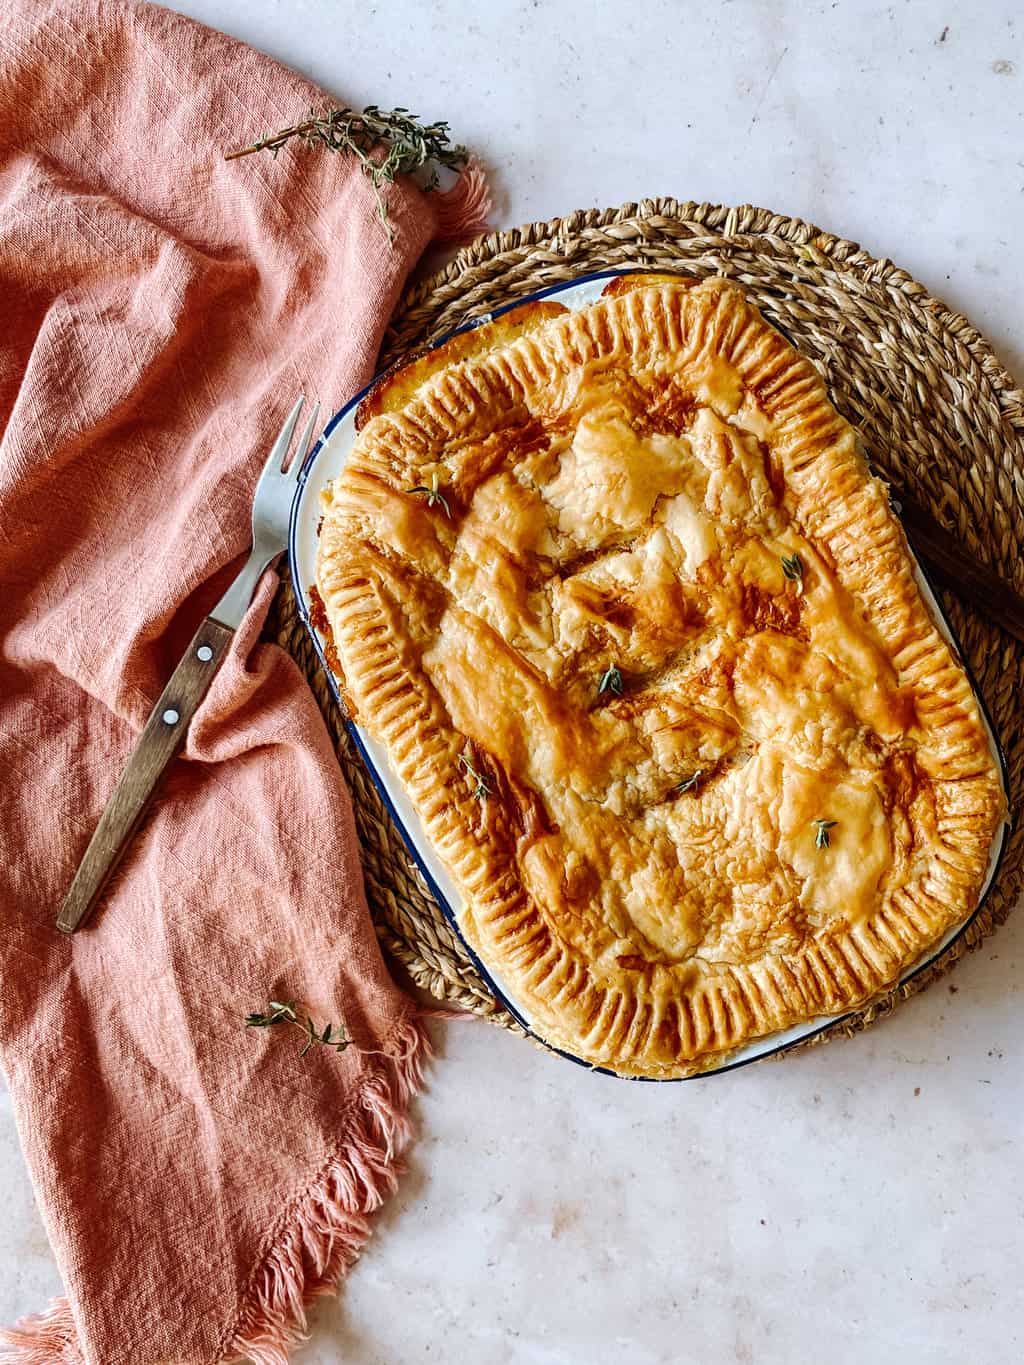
x=317, y=1240
x=47, y=1338
x=324, y=1233
x=463, y=211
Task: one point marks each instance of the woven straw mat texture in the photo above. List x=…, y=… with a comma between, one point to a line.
x=936, y=411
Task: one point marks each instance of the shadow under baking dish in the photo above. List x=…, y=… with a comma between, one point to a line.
x=324, y=462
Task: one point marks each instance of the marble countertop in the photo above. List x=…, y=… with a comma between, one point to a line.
x=855, y=1201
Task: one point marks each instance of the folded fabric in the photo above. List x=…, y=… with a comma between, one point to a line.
x=161, y=310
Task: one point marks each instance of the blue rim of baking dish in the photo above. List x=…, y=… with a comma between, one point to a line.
x=410, y=842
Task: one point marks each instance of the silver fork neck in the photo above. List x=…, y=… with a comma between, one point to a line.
x=236, y=601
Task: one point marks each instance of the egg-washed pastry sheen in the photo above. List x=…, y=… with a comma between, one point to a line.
x=643, y=640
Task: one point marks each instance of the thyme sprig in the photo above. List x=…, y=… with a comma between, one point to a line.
x=482, y=789
x=385, y=142
x=611, y=681
x=690, y=783
x=433, y=494
x=281, y=1012
x=821, y=839
x=793, y=568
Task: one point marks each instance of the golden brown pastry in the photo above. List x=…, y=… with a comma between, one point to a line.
x=643, y=640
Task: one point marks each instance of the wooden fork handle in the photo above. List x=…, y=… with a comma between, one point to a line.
x=162, y=737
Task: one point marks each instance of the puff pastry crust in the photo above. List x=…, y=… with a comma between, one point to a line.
x=643, y=640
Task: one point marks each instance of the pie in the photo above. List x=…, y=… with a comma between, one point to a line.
x=643, y=640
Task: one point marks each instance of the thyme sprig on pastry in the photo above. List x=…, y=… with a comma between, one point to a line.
x=610, y=681
x=482, y=789
x=821, y=839
x=433, y=494
x=793, y=568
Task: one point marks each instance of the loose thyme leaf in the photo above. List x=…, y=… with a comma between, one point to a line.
x=690, y=783
x=793, y=568
x=611, y=681
x=278, y=1013
x=482, y=789
x=821, y=839
x=433, y=494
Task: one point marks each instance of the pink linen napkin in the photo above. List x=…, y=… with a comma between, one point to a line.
x=160, y=309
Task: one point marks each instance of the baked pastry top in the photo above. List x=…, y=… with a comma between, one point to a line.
x=644, y=643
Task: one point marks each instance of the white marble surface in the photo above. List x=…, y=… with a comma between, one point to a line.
x=858, y=1201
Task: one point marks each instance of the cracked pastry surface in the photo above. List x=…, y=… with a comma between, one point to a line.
x=642, y=637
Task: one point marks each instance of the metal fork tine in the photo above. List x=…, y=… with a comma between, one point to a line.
x=277, y=456
x=302, y=449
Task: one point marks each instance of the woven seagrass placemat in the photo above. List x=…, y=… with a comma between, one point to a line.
x=936, y=410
